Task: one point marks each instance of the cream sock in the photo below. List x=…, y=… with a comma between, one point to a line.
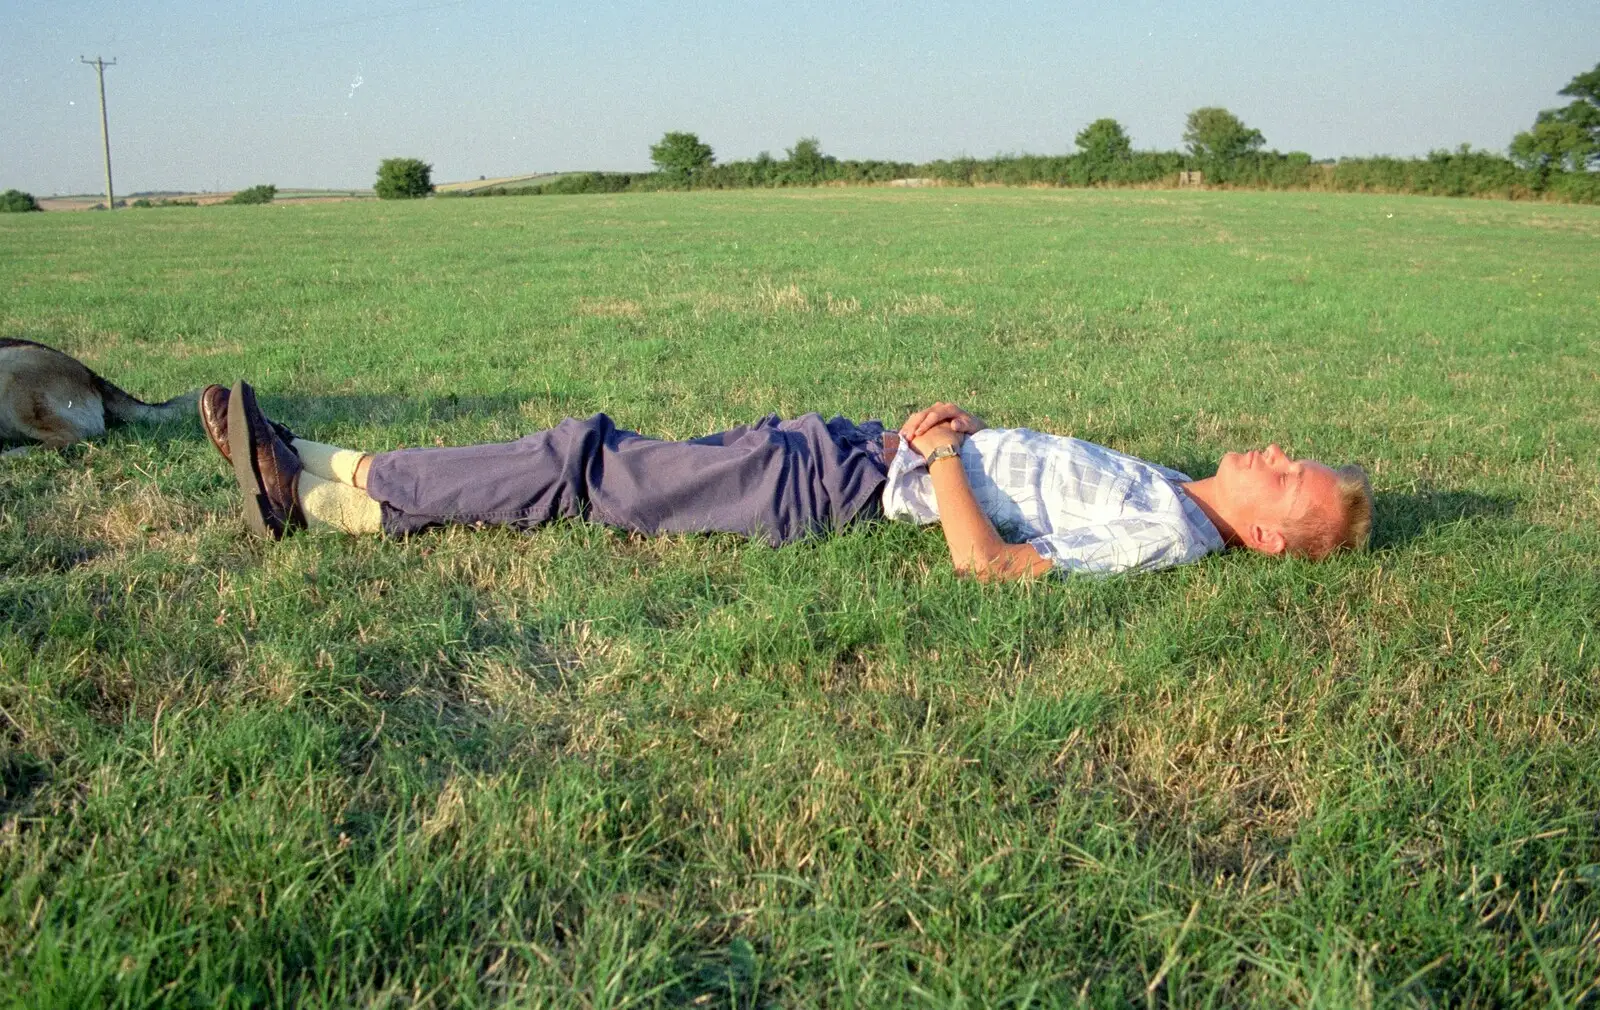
x=328, y=461
x=331, y=505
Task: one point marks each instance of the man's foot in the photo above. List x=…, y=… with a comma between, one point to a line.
x=263, y=463
x=214, y=418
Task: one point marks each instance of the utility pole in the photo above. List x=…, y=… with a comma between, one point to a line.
x=105, y=131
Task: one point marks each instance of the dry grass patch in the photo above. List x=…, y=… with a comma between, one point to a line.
x=449, y=811
x=841, y=306
x=773, y=837
x=517, y=691
x=270, y=675
x=926, y=305
x=1234, y=773
x=1226, y=786
x=610, y=308
x=704, y=304
x=124, y=518
x=1588, y=224
x=144, y=518
x=772, y=299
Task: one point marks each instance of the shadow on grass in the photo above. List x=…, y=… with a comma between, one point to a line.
x=297, y=410
x=1402, y=518
x=305, y=413
x=45, y=554
x=728, y=977
x=21, y=775
x=461, y=704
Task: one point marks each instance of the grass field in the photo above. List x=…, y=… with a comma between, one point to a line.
x=580, y=768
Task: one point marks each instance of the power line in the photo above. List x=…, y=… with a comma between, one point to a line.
x=105, y=130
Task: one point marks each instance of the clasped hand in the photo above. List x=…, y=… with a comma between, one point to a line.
x=940, y=424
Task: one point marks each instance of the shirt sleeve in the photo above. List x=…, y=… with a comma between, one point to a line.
x=1123, y=545
x=908, y=489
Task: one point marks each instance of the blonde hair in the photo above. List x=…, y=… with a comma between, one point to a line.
x=1320, y=532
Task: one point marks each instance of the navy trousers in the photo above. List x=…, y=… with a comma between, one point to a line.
x=775, y=480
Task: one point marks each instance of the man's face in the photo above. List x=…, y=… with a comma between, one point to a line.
x=1271, y=495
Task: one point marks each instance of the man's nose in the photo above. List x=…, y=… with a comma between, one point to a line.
x=1275, y=453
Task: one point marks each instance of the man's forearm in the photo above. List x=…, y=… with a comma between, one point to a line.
x=975, y=547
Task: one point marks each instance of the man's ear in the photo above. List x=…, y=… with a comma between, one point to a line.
x=1266, y=539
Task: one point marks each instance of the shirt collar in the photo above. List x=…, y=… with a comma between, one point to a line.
x=1207, y=530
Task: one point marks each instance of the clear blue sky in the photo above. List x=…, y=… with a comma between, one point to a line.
x=314, y=94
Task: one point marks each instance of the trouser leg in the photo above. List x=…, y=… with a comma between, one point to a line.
x=776, y=480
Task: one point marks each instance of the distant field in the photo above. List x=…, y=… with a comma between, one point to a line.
x=580, y=768
x=85, y=201
x=76, y=202
x=306, y=195
x=473, y=185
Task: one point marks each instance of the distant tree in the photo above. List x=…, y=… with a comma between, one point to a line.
x=255, y=194
x=1554, y=142
x=805, y=159
x=1106, y=139
x=1568, y=137
x=15, y=201
x=764, y=166
x=681, y=157
x=1215, y=134
x=1105, y=145
x=403, y=179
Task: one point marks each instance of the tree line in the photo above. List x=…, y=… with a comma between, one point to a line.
x=1556, y=159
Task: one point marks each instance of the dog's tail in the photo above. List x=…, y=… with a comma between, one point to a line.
x=122, y=407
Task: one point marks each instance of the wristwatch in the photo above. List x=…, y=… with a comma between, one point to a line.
x=943, y=452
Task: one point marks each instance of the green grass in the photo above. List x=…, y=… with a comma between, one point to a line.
x=580, y=768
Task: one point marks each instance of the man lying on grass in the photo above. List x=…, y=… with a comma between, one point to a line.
x=1064, y=503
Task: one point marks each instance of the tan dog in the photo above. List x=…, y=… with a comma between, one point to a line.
x=54, y=399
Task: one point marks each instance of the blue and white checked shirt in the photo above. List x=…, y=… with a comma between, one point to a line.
x=1085, y=507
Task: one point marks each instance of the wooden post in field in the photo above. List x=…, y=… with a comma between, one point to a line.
x=105, y=130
